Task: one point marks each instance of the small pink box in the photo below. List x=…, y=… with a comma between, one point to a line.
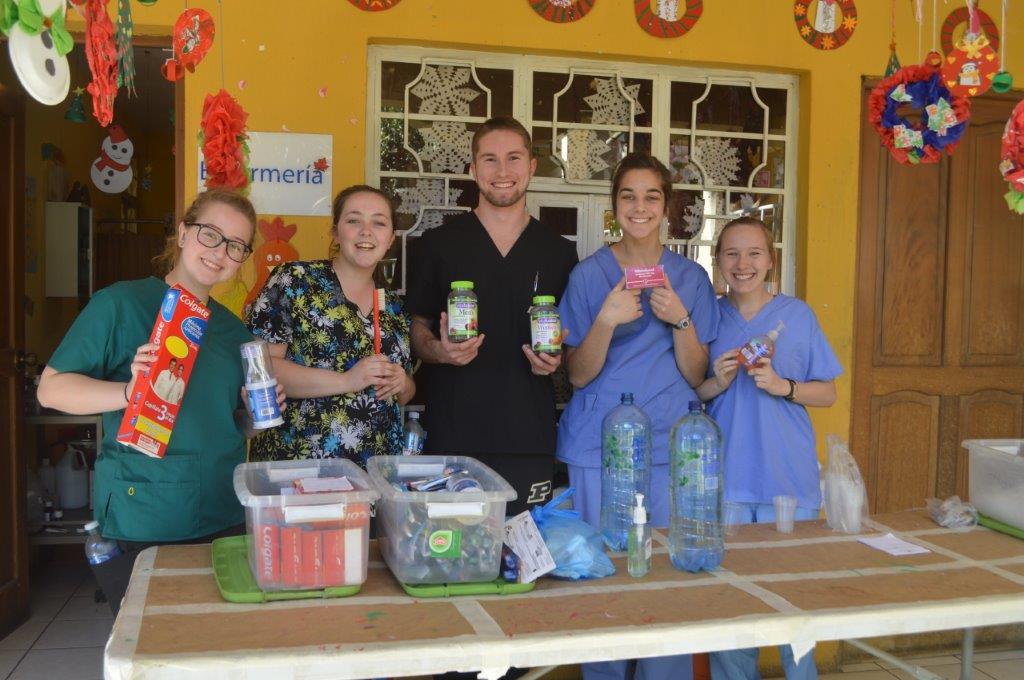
x=645, y=277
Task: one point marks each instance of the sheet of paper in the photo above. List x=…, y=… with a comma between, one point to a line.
x=324, y=484
x=893, y=545
x=523, y=536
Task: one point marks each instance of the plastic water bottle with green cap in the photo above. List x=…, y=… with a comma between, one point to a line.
x=545, y=326
x=463, y=312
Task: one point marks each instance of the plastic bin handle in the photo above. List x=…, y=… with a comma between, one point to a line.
x=438, y=510
x=295, y=514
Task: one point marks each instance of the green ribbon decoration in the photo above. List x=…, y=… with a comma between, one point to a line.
x=29, y=15
x=1015, y=201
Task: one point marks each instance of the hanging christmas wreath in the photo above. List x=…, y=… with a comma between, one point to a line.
x=943, y=116
x=827, y=33
x=962, y=15
x=658, y=22
x=374, y=5
x=562, y=11
x=1012, y=159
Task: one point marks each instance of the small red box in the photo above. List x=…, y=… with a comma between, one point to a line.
x=645, y=277
x=291, y=556
x=156, y=396
x=312, y=559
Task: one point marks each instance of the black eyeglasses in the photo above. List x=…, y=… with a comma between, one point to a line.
x=211, y=237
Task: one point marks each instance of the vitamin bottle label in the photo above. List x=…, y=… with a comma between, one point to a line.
x=462, y=320
x=546, y=332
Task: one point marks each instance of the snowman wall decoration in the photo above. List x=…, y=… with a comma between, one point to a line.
x=39, y=44
x=112, y=171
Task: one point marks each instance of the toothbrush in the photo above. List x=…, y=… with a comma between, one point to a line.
x=378, y=302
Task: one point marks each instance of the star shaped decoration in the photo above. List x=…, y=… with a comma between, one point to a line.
x=805, y=30
x=827, y=42
x=799, y=10
x=79, y=91
x=850, y=23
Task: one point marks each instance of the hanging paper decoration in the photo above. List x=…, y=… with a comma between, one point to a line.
x=442, y=91
x=893, y=64
x=1012, y=159
x=944, y=115
x=609, y=106
x=1003, y=81
x=562, y=11
x=663, y=18
x=76, y=111
x=374, y=5
x=962, y=15
x=146, y=178
x=191, y=40
x=101, y=52
x=821, y=39
x=112, y=171
x=970, y=67
x=719, y=158
x=425, y=196
x=125, y=53
x=447, y=146
x=38, y=44
x=225, y=142
x=585, y=154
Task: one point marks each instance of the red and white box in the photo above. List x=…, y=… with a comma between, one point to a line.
x=645, y=277
x=156, y=397
x=306, y=541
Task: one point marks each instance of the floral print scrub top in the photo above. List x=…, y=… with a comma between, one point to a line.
x=303, y=307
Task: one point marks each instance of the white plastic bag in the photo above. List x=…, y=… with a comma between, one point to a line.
x=952, y=512
x=845, y=496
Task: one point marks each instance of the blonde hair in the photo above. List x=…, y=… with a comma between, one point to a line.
x=769, y=238
x=166, y=260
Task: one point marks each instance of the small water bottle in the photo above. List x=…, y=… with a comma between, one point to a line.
x=625, y=468
x=98, y=549
x=639, y=554
x=696, y=540
x=414, y=435
x=261, y=385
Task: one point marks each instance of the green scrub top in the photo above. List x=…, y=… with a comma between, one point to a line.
x=188, y=493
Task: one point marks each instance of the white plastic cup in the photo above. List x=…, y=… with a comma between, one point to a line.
x=732, y=517
x=785, y=508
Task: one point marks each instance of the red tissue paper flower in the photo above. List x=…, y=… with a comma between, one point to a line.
x=224, y=142
x=101, y=52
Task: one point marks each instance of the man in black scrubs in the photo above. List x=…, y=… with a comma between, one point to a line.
x=491, y=397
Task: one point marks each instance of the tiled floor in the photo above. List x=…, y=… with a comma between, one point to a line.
x=64, y=636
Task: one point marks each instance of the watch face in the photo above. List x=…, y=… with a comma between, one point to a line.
x=683, y=324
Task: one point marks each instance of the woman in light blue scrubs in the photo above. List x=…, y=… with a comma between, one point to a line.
x=769, y=447
x=651, y=343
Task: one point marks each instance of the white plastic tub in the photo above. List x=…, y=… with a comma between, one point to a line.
x=996, y=478
x=439, y=536
x=305, y=541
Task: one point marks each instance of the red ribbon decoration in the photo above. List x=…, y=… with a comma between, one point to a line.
x=224, y=135
x=101, y=52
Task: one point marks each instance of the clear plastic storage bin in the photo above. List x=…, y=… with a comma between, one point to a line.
x=996, y=478
x=305, y=541
x=439, y=536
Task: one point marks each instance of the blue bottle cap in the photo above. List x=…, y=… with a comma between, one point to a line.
x=695, y=406
x=627, y=397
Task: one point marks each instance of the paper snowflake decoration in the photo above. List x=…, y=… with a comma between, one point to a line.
x=720, y=160
x=586, y=151
x=609, y=105
x=668, y=9
x=683, y=171
x=694, y=217
x=442, y=91
x=447, y=146
x=427, y=194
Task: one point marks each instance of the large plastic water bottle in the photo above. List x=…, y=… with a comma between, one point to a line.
x=625, y=469
x=98, y=549
x=695, y=532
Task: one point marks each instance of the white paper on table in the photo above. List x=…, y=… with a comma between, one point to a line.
x=893, y=545
x=523, y=536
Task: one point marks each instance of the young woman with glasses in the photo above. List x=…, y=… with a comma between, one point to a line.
x=187, y=496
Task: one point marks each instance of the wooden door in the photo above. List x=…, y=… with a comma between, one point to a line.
x=939, y=314
x=13, y=537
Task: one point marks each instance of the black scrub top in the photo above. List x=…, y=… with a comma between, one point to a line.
x=494, y=404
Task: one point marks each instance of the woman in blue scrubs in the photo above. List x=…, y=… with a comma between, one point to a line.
x=652, y=343
x=769, y=447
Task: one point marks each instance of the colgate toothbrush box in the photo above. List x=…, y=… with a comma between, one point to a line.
x=305, y=541
x=153, y=405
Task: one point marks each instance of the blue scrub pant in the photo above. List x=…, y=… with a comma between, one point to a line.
x=741, y=664
x=588, y=502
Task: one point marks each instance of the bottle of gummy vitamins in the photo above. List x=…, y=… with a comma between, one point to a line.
x=463, y=312
x=545, y=326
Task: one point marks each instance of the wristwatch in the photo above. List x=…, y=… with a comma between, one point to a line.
x=682, y=324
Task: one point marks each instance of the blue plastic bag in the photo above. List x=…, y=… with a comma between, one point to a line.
x=577, y=548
